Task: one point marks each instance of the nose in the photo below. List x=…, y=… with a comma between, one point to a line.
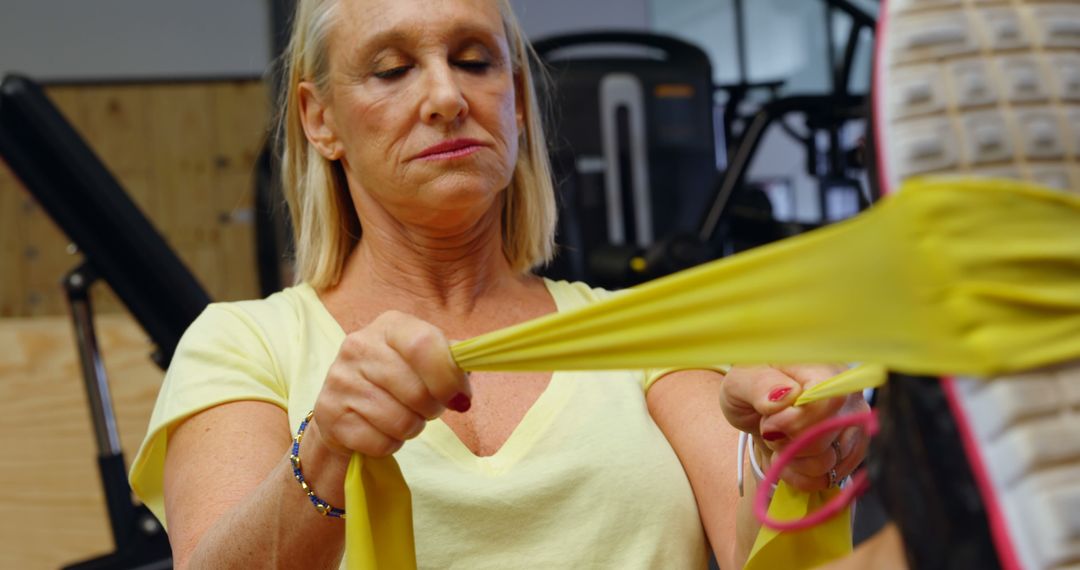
x=443, y=101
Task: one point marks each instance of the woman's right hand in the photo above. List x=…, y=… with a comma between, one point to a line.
x=388, y=380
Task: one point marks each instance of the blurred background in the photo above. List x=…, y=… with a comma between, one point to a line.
x=732, y=124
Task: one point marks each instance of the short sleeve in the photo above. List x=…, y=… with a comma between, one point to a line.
x=652, y=375
x=223, y=357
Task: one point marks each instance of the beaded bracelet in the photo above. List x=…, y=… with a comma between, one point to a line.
x=322, y=506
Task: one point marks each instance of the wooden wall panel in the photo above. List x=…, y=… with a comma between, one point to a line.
x=185, y=153
x=240, y=137
x=44, y=258
x=11, y=243
x=182, y=158
x=117, y=126
x=52, y=509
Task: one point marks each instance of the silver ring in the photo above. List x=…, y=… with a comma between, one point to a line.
x=832, y=478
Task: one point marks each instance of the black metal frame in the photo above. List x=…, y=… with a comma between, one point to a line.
x=837, y=109
x=120, y=246
x=84, y=199
x=841, y=74
x=828, y=112
x=139, y=539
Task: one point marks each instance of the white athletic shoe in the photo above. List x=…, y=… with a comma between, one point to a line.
x=982, y=88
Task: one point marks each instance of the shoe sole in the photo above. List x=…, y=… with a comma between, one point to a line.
x=992, y=89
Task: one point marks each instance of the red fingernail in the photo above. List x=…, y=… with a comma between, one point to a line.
x=459, y=403
x=778, y=394
x=772, y=436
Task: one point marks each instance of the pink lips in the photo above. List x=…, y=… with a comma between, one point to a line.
x=453, y=148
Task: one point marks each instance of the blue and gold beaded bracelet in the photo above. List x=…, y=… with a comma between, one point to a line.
x=322, y=506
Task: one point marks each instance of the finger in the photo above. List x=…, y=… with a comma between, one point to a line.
x=753, y=391
x=816, y=447
x=813, y=466
x=803, y=482
x=794, y=420
x=791, y=421
x=781, y=429
x=357, y=434
x=809, y=375
x=424, y=348
x=385, y=413
x=856, y=403
x=854, y=444
x=388, y=370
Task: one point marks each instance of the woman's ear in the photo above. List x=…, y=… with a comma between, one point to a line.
x=318, y=121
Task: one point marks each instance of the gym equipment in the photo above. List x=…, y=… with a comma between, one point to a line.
x=634, y=151
x=120, y=246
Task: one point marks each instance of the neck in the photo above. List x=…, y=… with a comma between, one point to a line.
x=425, y=272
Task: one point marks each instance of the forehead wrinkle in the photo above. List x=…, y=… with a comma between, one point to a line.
x=415, y=32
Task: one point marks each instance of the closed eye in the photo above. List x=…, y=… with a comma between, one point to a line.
x=473, y=65
x=393, y=73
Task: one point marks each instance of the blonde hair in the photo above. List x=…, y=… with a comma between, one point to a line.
x=325, y=225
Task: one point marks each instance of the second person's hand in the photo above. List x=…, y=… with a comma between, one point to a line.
x=759, y=400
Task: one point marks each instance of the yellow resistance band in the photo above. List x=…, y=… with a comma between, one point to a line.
x=977, y=277
x=832, y=539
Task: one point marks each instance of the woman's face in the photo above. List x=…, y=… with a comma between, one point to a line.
x=422, y=108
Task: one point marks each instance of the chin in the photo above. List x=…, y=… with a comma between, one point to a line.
x=460, y=202
x=466, y=185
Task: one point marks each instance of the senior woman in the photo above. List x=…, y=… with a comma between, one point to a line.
x=418, y=183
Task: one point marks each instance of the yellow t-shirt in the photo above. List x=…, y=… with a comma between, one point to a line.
x=586, y=480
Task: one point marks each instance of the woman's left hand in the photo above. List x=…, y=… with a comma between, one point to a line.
x=759, y=400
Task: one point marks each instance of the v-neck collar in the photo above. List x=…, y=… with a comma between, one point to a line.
x=438, y=434
x=536, y=421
